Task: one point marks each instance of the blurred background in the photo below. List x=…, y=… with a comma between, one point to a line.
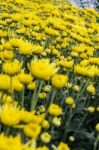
x=86, y=3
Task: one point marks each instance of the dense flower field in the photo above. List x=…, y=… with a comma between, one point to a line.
x=49, y=76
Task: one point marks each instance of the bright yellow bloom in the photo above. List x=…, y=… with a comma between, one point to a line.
x=15, y=42
x=91, y=89
x=45, y=137
x=38, y=118
x=10, y=143
x=51, y=31
x=37, y=49
x=43, y=148
x=3, y=33
x=63, y=146
x=45, y=124
x=42, y=69
x=4, y=98
x=42, y=95
x=16, y=84
x=59, y=80
x=67, y=64
x=7, y=55
x=31, y=86
x=25, y=78
x=4, y=82
x=25, y=48
x=8, y=46
x=10, y=115
x=69, y=101
x=26, y=116
x=55, y=110
x=12, y=68
x=32, y=130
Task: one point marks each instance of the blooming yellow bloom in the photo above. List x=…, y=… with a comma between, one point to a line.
x=55, y=110
x=4, y=82
x=8, y=143
x=26, y=116
x=10, y=115
x=16, y=84
x=25, y=78
x=42, y=69
x=31, y=86
x=7, y=55
x=43, y=148
x=25, y=48
x=51, y=31
x=42, y=95
x=69, y=101
x=12, y=67
x=37, y=49
x=3, y=33
x=62, y=146
x=91, y=89
x=45, y=124
x=59, y=80
x=15, y=42
x=32, y=130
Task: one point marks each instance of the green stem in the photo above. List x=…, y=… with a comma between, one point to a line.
x=68, y=123
x=33, y=98
x=7, y=130
x=96, y=142
x=82, y=121
x=85, y=102
x=35, y=95
x=53, y=95
x=22, y=98
x=82, y=90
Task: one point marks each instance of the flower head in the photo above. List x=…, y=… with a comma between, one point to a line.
x=42, y=69
x=59, y=80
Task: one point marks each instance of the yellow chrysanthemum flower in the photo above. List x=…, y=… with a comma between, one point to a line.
x=12, y=67
x=91, y=89
x=8, y=143
x=25, y=78
x=62, y=146
x=45, y=137
x=4, y=82
x=10, y=115
x=59, y=80
x=42, y=69
x=30, y=128
x=55, y=110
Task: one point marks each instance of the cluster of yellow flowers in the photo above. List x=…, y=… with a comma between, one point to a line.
x=49, y=72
